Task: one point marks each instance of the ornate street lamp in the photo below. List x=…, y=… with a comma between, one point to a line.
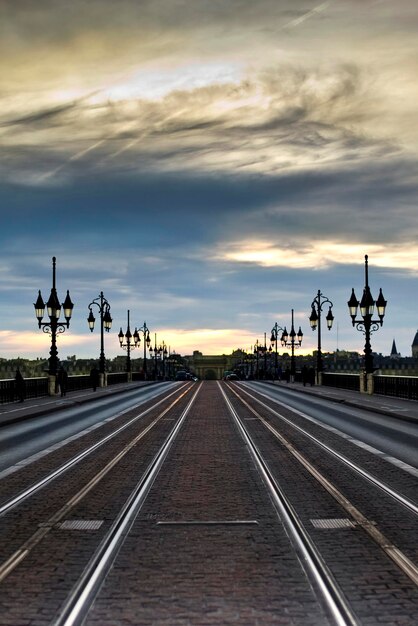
x=54, y=326
x=258, y=349
x=126, y=343
x=248, y=360
x=160, y=353
x=315, y=322
x=295, y=341
x=155, y=353
x=273, y=342
x=105, y=325
x=147, y=342
x=367, y=325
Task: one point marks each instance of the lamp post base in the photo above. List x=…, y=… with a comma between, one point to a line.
x=367, y=383
x=52, y=385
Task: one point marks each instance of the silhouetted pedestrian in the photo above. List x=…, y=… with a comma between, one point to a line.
x=287, y=374
x=62, y=379
x=20, y=385
x=94, y=377
x=304, y=375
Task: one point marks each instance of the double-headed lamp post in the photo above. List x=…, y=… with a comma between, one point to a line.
x=273, y=342
x=160, y=352
x=105, y=325
x=367, y=325
x=54, y=326
x=126, y=343
x=147, y=342
x=315, y=321
x=295, y=341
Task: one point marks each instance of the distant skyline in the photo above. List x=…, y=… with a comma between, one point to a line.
x=209, y=166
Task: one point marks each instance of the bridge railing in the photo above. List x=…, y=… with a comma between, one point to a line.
x=117, y=377
x=398, y=386
x=34, y=388
x=341, y=381
x=38, y=387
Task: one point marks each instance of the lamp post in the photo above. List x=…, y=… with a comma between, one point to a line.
x=256, y=353
x=367, y=325
x=54, y=326
x=315, y=322
x=154, y=353
x=147, y=341
x=293, y=343
x=264, y=352
x=248, y=360
x=105, y=324
x=273, y=341
x=163, y=352
x=128, y=346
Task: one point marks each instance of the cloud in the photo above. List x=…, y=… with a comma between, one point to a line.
x=281, y=120
x=36, y=344
x=320, y=254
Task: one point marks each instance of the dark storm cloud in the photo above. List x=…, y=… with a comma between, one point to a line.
x=44, y=116
x=299, y=123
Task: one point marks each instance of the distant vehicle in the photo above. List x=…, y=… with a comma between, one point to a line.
x=183, y=375
x=232, y=377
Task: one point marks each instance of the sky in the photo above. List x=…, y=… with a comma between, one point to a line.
x=209, y=166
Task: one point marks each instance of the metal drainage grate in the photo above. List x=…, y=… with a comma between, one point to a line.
x=343, y=522
x=80, y=524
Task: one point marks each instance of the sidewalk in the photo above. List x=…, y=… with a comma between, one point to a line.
x=386, y=405
x=12, y=412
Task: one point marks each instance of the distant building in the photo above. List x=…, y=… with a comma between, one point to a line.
x=394, y=354
x=415, y=346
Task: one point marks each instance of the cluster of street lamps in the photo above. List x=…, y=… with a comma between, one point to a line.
x=55, y=326
x=366, y=324
x=159, y=353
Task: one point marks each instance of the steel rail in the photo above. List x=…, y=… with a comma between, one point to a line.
x=309, y=557
x=16, y=500
x=84, y=593
x=11, y=563
x=400, y=499
x=405, y=564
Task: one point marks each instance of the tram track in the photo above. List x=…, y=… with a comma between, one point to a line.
x=47, y=525
x=208, y=515
x=402, y=561
x=401, y=499
x=315, y=567
x=46, y=480
x=82, y=596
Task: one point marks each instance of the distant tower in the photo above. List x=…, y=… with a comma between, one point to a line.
x=394, y=354
x=415, y=346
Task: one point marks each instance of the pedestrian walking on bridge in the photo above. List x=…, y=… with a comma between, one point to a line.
x=20, y=385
